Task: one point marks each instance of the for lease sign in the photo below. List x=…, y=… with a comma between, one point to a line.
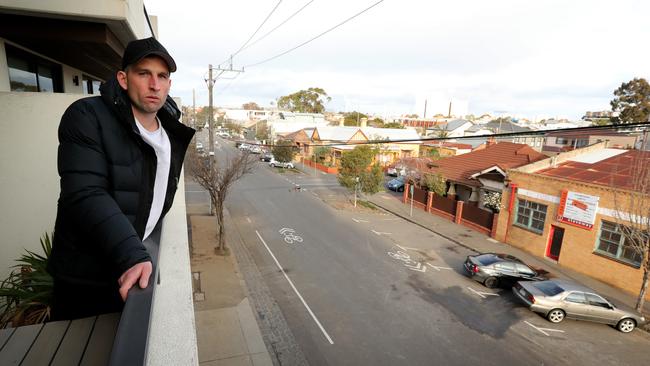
x=578, y=209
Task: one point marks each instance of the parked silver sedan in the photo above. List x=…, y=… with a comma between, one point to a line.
x=557, y=299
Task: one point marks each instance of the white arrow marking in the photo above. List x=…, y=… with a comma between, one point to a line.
x=482, y=294
x=418, y=268
x=359, y=220
x=542, y=330
x=379, y=232
x=437, y=268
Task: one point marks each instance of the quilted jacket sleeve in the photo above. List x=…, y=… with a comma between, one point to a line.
x=85, y=197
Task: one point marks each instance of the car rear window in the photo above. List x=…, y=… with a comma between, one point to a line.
x=548, y=288
x=487, y=259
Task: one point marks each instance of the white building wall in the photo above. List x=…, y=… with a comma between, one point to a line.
x=29, y=179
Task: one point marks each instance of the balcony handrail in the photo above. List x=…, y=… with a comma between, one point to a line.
x=131, y=338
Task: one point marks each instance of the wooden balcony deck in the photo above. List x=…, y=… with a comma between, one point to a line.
x=85, y=341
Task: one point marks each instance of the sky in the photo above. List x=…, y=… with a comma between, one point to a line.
x=535, y=60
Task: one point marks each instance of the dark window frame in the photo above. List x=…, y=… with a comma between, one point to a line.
x=611, y=243
x=34, y=61
x=530, y=214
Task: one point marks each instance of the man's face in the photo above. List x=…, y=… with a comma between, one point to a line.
x=147, y=83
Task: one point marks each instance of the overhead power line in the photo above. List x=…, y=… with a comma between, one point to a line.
x=279, y=25
x=254, y=33
x=316, y=37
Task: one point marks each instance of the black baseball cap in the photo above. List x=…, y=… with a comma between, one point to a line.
x=140, y=48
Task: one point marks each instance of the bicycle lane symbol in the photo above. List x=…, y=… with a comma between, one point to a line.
x=407, y=261
x=290, y=235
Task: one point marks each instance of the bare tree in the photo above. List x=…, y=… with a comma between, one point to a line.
x=217, y=178
x=632, y=211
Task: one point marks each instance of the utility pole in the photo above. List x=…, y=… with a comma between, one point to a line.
x=449, y=113
x=193, y=108
x=210, y=81
x=424, y=116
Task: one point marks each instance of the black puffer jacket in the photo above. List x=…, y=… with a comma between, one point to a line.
x=107, y=177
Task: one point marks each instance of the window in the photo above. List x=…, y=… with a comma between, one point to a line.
x=30, y=73
x=505, y=267
x=91, y=85
x=524, y=270
x=612, y=243
x=596, y=300
x=576, y=297
x=531, y=215
x=561, y=141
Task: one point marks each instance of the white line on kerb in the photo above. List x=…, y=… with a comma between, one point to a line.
x=329, y=339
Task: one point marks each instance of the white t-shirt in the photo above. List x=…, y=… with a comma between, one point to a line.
x=159, y=141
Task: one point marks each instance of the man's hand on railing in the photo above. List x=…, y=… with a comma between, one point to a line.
x=138, y=273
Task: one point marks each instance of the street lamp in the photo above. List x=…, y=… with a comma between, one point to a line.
x=356, y=183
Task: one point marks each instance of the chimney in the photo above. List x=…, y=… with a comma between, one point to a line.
x=341, y=121
x=364, y=122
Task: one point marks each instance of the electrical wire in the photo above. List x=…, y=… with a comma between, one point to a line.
x=644, y=125
x=316, y=37
x=279, y=25
x=254, y=33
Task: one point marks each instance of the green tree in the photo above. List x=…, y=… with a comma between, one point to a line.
x=356, y=164
x=632, y=102
x=414, y=115
x=251, y=106
x=396, y=125
x=435, y=183
x=306, y=101
x=283, y=151
x=233, y=127
x=377, y=122
x=263, y=131
x=353, y=118
x=321, y=153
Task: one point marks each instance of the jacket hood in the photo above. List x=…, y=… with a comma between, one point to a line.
x=113, y=94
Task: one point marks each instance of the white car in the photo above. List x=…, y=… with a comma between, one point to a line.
x=225, y=135
x=274, y=163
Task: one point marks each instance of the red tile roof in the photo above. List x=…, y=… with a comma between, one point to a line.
x=505, y=155
x=617, y=171
x=449, y=144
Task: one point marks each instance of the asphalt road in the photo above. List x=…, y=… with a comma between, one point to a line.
x=366, y=288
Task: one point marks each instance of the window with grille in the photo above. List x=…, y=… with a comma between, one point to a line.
x=611, y=242
x=531, y=215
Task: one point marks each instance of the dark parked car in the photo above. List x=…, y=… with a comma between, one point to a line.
x=396, y=184
x=556, y=300
x=494, y=270
x=266, y=157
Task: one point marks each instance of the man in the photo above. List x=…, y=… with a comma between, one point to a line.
x=119, y=159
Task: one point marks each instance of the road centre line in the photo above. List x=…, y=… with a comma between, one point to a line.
x=542, y=330
x=329, y=339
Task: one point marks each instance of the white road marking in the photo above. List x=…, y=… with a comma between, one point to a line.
x=437, y=268
x=492, y=240
x=380, y=233
x=359, y=220
x=419, y=267
x=482, y=294
x=389, y=219
x=542, y=330
x=401, y=247
x=248, y=219
x=329, y=339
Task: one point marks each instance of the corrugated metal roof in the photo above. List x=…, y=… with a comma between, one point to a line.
x=617, y=170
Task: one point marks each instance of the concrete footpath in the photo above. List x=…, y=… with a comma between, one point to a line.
x=227, y=331
x=481, y=243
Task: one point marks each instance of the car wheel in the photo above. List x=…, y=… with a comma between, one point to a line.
x=491, y=282
x=626, y=325
x=272, y=165
x=555, y=315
